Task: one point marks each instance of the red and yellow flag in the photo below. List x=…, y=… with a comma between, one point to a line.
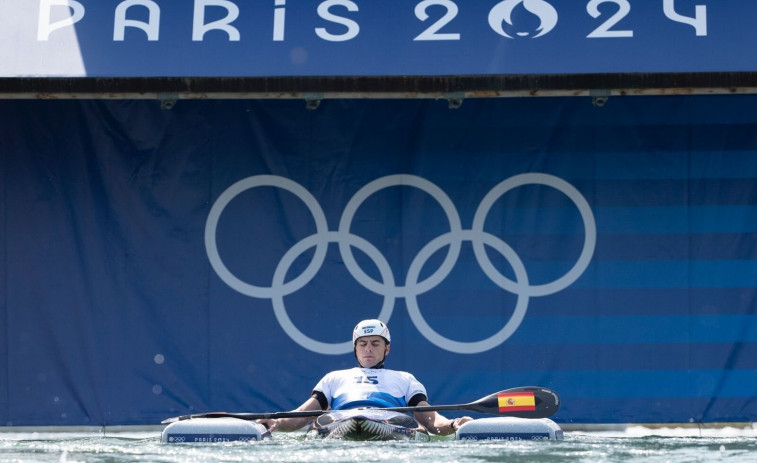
x=516, y=402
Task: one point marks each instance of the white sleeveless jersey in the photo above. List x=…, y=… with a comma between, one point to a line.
x=366, y=387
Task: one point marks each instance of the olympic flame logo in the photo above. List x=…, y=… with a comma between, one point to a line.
x=502, y=14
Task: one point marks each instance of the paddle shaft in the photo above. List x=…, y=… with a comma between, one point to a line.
x=429, y=408
x=301, y=414
x=311, y=413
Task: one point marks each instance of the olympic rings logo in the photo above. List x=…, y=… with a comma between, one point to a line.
x=413, y=287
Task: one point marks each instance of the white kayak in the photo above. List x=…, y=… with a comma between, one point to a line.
x=523, y=415
x=361, y=425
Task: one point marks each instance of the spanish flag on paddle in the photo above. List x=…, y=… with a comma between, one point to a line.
x=516, y=402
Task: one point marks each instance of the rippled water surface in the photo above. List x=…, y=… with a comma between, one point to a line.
x=630, y=445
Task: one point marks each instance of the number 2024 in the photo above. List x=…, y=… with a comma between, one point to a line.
x=605, y=30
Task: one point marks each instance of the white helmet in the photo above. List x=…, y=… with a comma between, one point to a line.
x=371, y=328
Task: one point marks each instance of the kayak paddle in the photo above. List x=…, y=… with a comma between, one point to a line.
x=522, y=402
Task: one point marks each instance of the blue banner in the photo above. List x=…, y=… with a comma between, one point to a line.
x=236, y=38
x=216, y=256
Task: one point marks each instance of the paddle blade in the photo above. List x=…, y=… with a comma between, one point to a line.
x=522, y=402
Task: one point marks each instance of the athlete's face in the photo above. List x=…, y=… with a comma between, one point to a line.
x=370, y=350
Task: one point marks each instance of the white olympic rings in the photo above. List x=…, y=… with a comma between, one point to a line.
x=412, y=287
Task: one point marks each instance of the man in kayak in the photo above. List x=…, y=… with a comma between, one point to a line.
x=370, y=385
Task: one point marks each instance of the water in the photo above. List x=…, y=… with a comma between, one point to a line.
x=634, y=444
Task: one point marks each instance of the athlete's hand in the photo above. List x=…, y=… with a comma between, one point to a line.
x=457, y=422
x=271, y=425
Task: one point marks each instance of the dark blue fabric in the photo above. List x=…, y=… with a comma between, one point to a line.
x=113, y=312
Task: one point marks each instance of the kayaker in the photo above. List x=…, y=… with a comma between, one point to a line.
x=370, y=385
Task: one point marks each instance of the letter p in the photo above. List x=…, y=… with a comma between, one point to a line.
x=45, y=27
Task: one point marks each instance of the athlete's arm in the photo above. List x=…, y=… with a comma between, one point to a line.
x=436, y=423
x=293, y=424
